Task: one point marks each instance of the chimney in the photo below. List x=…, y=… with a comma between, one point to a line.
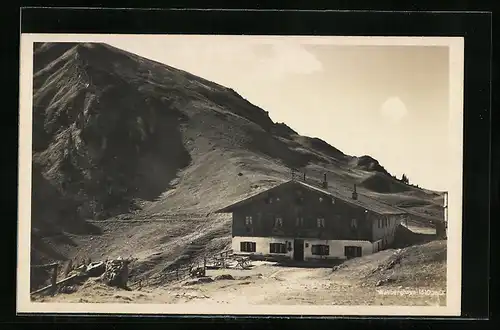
x=354, y=193
x=325, y=183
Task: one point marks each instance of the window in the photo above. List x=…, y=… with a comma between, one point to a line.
x=321, y=222
x=247, y=246
x=300, y=222
x=354, y=223
x=277, y=199
x=352, y=251
x=321, y=199
x=333, y=200
x=379, y=223
x=278, y=222
x=248, y=220
x=277, y=248
x=320, y=250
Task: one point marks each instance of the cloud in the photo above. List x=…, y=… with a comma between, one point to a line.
x=278, y=60
x=289, y=58
x=394, y=109
x=220, y=58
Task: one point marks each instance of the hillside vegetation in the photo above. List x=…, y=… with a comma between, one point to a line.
x=117, y=137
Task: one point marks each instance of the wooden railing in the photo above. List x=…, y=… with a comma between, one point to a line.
x=180, y=271
x=53, y=282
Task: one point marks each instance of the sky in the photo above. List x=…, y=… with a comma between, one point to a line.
x=389, y=102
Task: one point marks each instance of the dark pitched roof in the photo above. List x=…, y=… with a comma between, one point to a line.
x=363, y=201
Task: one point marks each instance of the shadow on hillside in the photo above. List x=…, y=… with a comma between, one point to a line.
x=63, y=239
x=82, y=227
x=404, y=237
x=382, y=183
x=269, y=145
x=144, y=149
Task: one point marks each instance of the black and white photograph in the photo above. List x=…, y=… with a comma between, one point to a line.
x=235, y=174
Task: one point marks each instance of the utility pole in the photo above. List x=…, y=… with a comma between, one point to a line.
x=445, y=206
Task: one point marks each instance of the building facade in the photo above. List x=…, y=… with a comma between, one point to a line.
x=299, y=221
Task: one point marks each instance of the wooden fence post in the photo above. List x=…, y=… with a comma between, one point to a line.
x=54, y=279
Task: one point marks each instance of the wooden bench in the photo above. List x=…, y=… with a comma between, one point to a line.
x=220, y=260
x=243, y=262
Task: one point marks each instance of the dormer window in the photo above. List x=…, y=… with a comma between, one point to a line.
x=278, y=222
x=248, y=220
x=321, y=222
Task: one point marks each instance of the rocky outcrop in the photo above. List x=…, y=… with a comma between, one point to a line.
x=116, y=273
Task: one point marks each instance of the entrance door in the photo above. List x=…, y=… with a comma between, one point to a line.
x=298, y=249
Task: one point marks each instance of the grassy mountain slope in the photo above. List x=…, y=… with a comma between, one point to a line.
x=117, y=134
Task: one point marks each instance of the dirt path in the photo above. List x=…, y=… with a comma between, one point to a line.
x=269, y=284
